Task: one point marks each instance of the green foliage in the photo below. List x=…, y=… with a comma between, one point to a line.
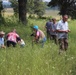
x=36, y=7
x=36, y=60
x=39, y=7
x=33, y=7
x=15, y=6
x=65, y=6
x=30, y=5
x=1, y=7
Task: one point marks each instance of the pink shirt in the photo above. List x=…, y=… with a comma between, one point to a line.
x=12, y=36
x=38, y=33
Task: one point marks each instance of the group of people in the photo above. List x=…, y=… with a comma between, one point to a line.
x=58, y=31
x=12, y=39
x=51, y=30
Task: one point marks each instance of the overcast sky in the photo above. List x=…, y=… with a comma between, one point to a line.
x=47, y=0
x=43, y=0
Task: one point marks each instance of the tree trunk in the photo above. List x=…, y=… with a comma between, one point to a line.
x=22, y=11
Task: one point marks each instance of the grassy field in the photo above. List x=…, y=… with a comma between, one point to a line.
x=52, y=13
x=34, y=60
x=48, y=13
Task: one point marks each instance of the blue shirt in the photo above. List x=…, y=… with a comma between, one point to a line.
x=1, y=41
x=48, y=25
x=53, y=29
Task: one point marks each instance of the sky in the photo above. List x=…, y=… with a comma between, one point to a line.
x=43, y=0
x=6, y=4
x=47, y=0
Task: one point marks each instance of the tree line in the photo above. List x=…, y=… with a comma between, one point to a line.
x=22, y=7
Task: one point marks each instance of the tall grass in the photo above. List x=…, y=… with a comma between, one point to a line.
x=34, y=60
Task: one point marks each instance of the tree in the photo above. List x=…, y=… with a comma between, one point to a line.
x=39, y=7
x=1, y=17
x=65, y=6
x=22, y=10
x=1, y=8
x=33, y=7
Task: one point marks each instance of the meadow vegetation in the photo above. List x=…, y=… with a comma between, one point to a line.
x=32, y=59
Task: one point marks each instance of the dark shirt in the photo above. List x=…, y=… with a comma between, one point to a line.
x=48, y=25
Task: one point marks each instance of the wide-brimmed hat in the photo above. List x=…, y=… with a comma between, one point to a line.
x=1, y=32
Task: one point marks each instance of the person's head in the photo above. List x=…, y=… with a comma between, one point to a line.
x=18, y=39
x=2, y=34
x=14, y=30
x=50, y=20
x=35, y=27
x=65, y=18
x=54, y=20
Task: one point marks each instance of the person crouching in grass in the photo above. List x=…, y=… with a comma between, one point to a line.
x=12, y=38
x=2, y=40
x=39, y=36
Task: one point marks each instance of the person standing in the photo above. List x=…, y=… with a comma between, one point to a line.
x=62, y=30
x=53, y=32
x=48, y=27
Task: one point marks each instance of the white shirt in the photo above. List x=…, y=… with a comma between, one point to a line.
x=22, y=42
x=64, y=27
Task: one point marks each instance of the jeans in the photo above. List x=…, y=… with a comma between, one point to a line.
x=43, y=41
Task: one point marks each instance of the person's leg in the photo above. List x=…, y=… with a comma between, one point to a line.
x=47, y=34
x=8, y=43
x=61, y=44
x=51, y=37
x=14, y=44
x=66, y=44
x=43, y=41
x=56, y=39
x=3, y=46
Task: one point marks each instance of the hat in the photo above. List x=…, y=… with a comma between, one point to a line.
x=35, y=27
x=1, y=32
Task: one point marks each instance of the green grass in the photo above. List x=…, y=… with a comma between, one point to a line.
x=36, y=60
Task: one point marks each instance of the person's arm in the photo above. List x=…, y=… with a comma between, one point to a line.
x=7, y=36
x=68, y=30
x=3, y=46
x=36, y=38
x=61, y=31
x=46, y=27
